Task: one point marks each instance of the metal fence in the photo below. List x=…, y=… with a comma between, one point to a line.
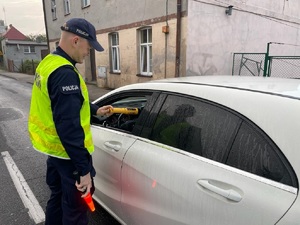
x=22, y=66
x=260, y=64
x=284, y=66
x=248, y=64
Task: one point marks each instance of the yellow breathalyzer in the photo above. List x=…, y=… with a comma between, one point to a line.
x=128, y=111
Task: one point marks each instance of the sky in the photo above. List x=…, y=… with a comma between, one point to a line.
x=27, y=16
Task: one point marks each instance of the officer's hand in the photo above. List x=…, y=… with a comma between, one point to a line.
x=85, y=184
x=105, y=110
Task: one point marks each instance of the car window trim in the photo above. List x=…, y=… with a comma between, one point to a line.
x=238, y=88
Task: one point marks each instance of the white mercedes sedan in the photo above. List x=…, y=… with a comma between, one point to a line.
x=204, y=150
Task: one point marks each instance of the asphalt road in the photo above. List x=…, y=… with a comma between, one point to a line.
x=22, y=169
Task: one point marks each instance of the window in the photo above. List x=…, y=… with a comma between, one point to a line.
x=196, y=127
x=29, y=49
x=133, y=102
x=53, y=10
x=85, y=3
x=115, y=53
x=146, y=51
x=67, y=7
x=252, y=152
x=216, y=133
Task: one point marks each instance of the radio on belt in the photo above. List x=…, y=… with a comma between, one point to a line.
x=128, y=111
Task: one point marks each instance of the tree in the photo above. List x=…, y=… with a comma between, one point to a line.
x=37, y=37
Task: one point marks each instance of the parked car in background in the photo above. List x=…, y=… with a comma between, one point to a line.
x=218, y=150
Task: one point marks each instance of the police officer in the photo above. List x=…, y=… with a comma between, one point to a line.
x=59, y=123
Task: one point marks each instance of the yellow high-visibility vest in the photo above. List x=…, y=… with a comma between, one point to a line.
x=41, y=126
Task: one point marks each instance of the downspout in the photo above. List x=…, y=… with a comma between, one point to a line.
x=166, y=38
x=46, y=28
x=178, y=39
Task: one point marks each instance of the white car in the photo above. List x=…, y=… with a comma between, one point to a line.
x=217, y=150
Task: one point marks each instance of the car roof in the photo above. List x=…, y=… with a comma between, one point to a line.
x=279, y=86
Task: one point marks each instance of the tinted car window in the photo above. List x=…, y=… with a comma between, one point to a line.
x=195, y=126
x=254, y=153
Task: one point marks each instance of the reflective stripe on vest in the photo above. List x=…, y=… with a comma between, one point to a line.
x=41, y=126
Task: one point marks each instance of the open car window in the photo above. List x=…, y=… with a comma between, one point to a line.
x=129, y=108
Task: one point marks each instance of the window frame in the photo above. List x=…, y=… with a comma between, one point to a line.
x=53, y=9
x=29, y=49
x=67, y=7
x=145, y=52
x=85, y=3
x=115, y=53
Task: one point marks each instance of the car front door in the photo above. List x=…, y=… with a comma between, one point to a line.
x=112, y=137
x=110, y=148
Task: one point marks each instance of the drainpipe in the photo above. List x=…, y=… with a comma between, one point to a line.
x=166, y=37
x=178, y=39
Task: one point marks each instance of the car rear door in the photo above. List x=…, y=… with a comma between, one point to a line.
x=162, y=185
x=192, y=172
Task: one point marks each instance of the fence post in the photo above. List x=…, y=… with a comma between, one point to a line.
x=267, y=60
x=32, y=63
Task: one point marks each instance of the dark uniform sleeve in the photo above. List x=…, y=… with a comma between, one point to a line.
x=66, y=102
x=94, y=108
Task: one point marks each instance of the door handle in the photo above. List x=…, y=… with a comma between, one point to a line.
x=226, y=193
x=116, y=147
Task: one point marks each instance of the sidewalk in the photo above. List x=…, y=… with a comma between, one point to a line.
x=94, y=91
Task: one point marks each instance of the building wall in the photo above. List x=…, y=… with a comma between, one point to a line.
x=105, y=14
x=213, y=36
x=163, y=51
x=125, y=18
x=16, y=53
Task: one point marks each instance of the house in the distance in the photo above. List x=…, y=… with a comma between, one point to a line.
x=17, y=49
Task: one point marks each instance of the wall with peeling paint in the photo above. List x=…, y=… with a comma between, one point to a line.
x=213, y=36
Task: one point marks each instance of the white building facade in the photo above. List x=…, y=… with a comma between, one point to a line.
x=214, y=35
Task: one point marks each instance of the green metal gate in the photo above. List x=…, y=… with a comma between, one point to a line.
x=261, y=64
